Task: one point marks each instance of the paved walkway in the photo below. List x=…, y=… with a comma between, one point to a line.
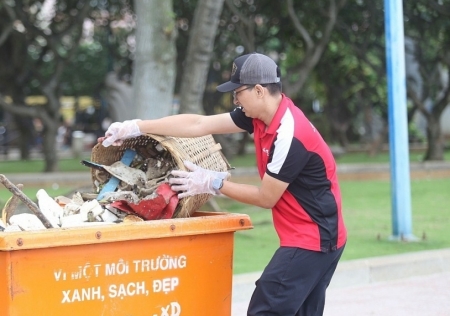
x=407, y=284
x=414, y=296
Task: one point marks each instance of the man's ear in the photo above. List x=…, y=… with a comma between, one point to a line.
x=259, y=90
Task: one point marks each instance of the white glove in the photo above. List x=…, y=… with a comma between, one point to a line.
x=119, y=131
x=198, y=181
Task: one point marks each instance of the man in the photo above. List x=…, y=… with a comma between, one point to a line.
x=298, y=182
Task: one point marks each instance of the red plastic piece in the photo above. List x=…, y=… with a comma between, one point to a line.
x=160, y=207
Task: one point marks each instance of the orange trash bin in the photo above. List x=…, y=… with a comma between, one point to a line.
x=158, y=268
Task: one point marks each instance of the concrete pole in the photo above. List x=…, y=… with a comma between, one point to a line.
x=398, y=121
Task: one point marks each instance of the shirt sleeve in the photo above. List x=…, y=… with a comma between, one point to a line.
x=241, y=120
x=288, y=156
x=288, y=159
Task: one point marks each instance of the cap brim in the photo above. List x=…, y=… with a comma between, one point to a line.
x=228, y=86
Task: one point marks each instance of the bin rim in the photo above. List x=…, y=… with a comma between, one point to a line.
x=200, y=223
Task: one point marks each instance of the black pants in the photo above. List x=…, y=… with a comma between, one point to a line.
x=294, y=283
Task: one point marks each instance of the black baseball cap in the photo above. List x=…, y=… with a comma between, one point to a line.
x=251, y=69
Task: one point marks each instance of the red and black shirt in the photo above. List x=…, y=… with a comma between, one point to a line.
x=309, y=213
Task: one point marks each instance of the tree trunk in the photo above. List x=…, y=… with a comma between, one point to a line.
x=25, y=129
x=120, y=98
x=376, y=144
x=200, y=47
x=435, y=150
x=23, y=124
x=49, y=147
x=435, y=138
x=154, y=67
x=314, y=50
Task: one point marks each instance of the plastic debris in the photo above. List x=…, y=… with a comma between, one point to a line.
x=90, y=210
x=12, y=228
x=51, y=209
x=131, y=190
x=27, y=221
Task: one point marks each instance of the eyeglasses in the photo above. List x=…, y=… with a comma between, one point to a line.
x=235, y=93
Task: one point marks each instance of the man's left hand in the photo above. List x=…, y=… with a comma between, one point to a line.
x=196, y=181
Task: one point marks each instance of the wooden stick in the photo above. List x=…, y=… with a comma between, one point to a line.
x=11, y=206
x=29, y=203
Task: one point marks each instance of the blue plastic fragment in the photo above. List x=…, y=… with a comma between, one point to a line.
x=112, y=184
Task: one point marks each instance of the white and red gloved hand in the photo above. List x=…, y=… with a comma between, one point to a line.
x=117, y=132
x=196, y=181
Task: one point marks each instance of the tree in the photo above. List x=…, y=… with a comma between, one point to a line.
x=40, y=35
x=352, y=76
x=154, y=66
x=12, y=54
x=46, y=53
x=199, y=52
x=427, y=24
x=358, y=55
x=294, y=34
x=312, y=47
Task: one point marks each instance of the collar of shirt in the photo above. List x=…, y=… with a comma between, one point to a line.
x=275, y=123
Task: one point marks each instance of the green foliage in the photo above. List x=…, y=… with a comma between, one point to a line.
x=350, y=77
x=87, y=72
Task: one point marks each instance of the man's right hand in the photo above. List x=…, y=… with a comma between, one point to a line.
x=117, y=132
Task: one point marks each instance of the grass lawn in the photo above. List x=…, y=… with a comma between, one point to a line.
x=37, y=166
x=367, y=213
x=356, y=157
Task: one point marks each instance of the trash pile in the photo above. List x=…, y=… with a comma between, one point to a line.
x=133, y=189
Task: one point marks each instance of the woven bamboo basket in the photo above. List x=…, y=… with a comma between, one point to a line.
x=202, y=151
